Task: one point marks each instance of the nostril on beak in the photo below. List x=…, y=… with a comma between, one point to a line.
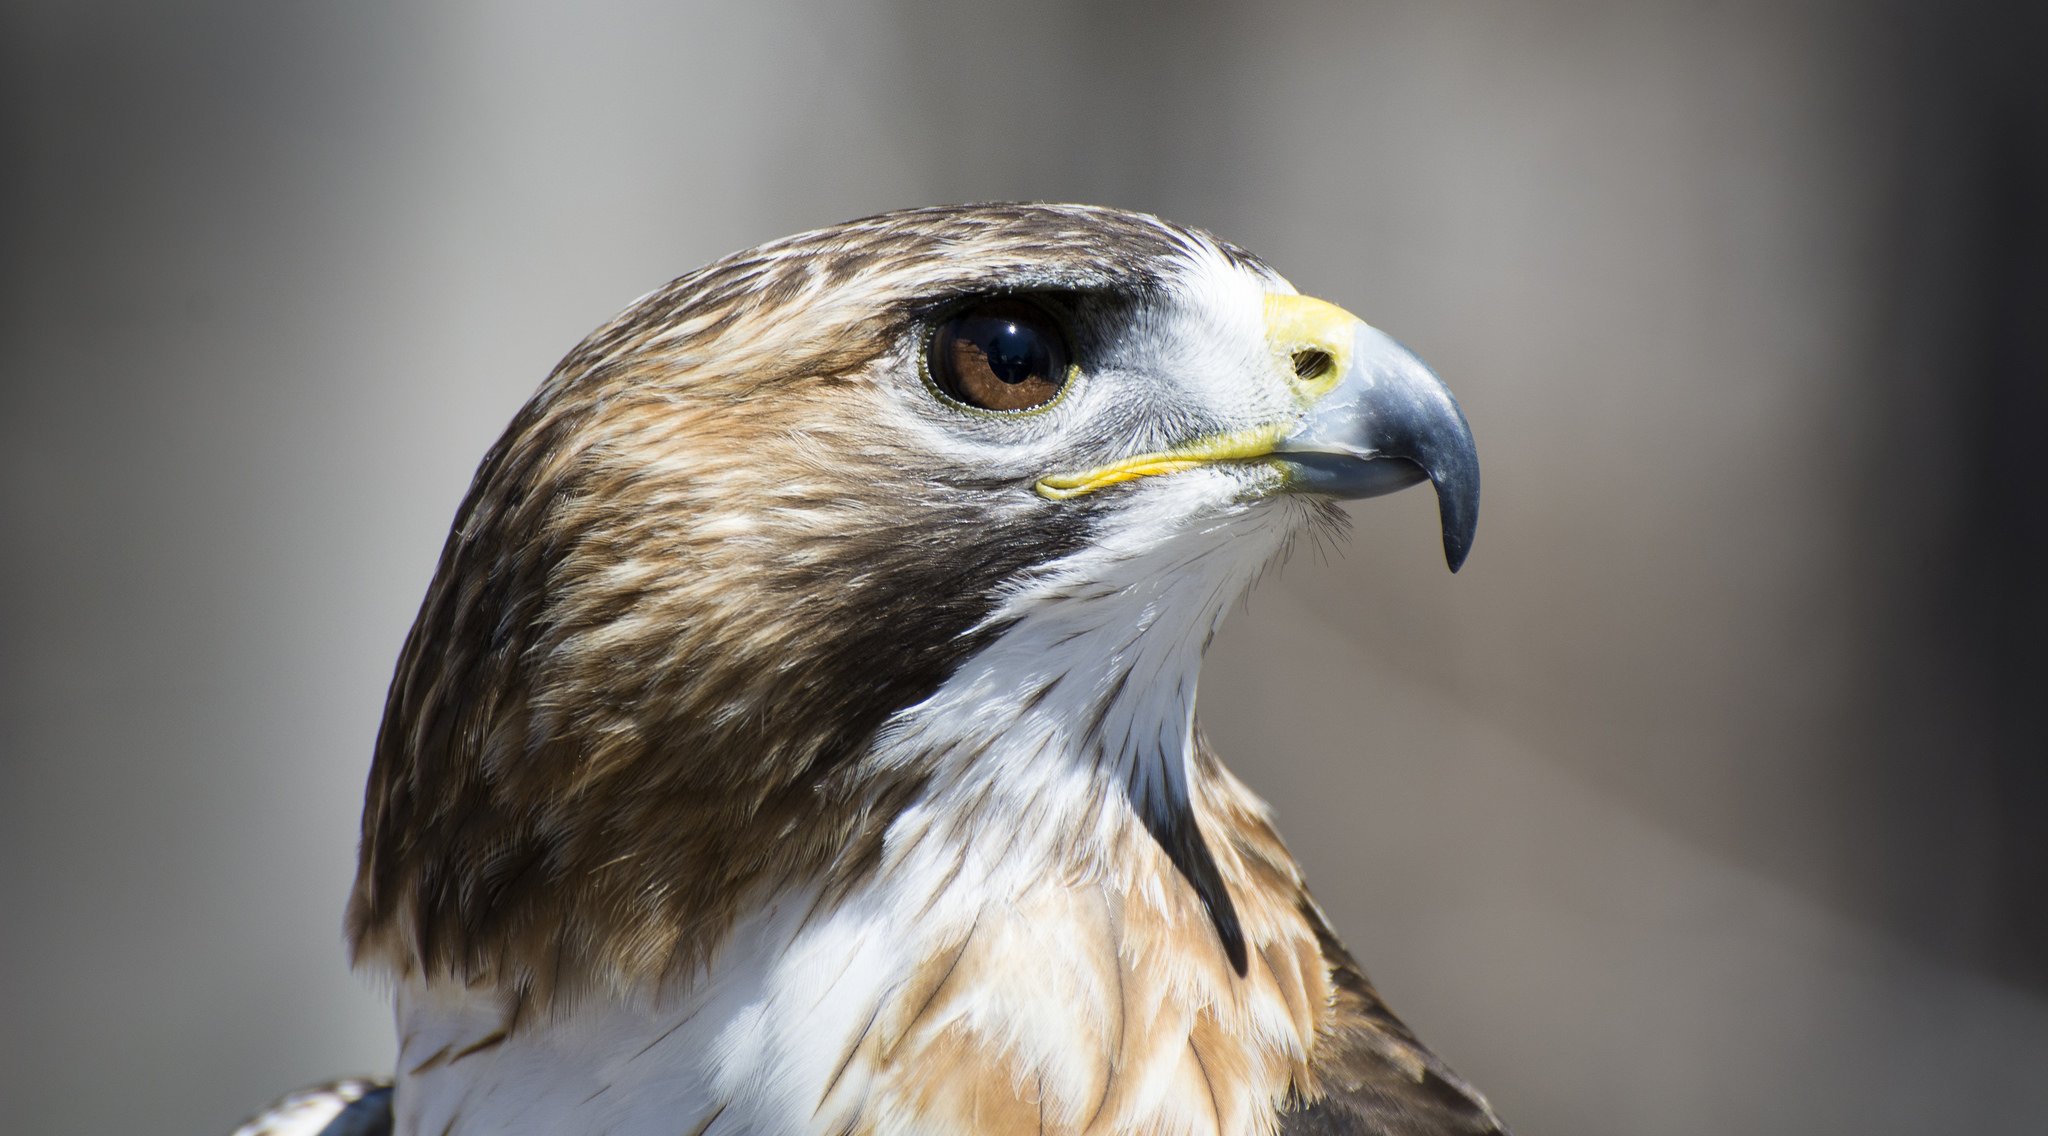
x=1312, y=363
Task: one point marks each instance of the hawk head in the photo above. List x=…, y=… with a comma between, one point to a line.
x=899, y=535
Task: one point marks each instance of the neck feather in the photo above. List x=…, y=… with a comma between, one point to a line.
x=955, y=991
x=1024, y=949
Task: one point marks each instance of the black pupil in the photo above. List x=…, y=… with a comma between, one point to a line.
x=1014, y=351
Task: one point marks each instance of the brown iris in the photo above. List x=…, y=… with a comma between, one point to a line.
x=1006, y=354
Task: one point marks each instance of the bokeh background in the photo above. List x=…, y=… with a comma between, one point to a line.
x=1709, y=798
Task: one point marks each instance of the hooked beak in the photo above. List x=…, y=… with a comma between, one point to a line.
x=1374, y=419
x=1378, y=418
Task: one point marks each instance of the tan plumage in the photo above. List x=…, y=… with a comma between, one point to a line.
x=694, y=693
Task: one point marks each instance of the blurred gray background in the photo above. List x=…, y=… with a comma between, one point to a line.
x=1710, y=798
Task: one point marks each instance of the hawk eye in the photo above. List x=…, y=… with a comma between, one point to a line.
x=1006, y=354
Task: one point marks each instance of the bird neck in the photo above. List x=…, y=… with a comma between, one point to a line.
x=954, y=990
x=1074, y=728
x=1025, y=949
x=1087, y=693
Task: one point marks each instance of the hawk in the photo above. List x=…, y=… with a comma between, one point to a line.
x=799, y=733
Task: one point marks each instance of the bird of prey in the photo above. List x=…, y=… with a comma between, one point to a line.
x=799, y=733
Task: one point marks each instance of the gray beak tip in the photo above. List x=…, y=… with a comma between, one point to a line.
x=1457, y=506
x=1456, y=546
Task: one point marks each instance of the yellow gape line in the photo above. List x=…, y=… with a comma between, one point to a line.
x=1311, y=342
x=1235, y=446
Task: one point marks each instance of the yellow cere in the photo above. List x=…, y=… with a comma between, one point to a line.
x=1304, y=323
x=1293, y=324
x=1238, y=445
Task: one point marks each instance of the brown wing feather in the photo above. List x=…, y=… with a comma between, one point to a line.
x=1375, y=1077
